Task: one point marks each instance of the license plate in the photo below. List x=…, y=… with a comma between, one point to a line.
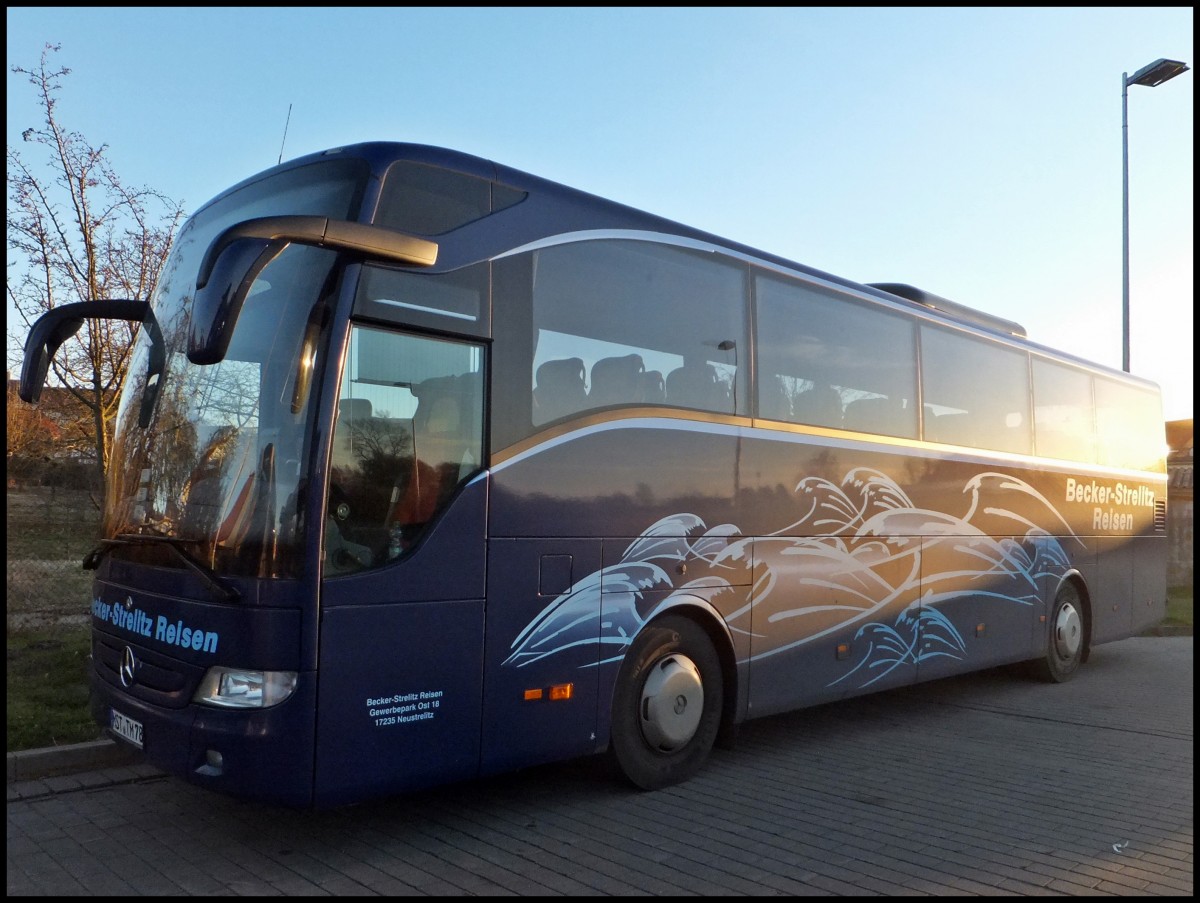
x=126, y=728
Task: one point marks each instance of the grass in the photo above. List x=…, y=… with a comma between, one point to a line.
x=1179, y=606
x=46, y=692
x=47, y=624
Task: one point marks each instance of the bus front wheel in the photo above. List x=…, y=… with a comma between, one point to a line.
x=1067, y=641
x=667, y=704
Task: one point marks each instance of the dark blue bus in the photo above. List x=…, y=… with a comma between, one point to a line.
x=427, y=469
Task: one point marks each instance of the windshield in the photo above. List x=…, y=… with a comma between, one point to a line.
x=215, y=456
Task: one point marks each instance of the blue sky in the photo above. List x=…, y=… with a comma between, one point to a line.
x=974, y=152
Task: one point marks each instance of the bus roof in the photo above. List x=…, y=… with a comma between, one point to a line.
x=381, y=154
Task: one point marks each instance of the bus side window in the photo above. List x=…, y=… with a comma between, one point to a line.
x=559, y=390
x=1064, y=417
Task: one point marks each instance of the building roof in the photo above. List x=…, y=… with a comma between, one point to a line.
x=1179, y=437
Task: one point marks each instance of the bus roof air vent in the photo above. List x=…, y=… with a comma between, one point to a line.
x=961, y=311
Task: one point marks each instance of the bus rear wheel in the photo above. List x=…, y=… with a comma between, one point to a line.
x=667, y=704
x=1066, y=647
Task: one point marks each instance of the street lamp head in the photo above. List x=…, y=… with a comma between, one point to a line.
x=1156, y=73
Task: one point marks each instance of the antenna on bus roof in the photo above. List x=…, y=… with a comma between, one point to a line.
x=285, y=128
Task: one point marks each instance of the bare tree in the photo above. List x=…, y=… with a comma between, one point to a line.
x=30, y=433
x=78, y=233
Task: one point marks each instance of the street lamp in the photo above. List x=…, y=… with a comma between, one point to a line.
x=1155, y=74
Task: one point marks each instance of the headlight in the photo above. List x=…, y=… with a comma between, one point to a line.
x=238, y=689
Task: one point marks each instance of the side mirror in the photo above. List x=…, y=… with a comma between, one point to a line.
x=55, y=326
x=238, y=255
x=218, y=301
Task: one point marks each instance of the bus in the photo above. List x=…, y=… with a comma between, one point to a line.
x=427, y=469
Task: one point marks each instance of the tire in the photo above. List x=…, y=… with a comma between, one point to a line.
x=1067, y=642
x=667, y=704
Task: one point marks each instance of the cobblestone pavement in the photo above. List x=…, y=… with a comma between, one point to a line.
x=986, y=784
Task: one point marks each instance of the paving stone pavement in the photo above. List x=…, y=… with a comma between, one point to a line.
x=986, y=784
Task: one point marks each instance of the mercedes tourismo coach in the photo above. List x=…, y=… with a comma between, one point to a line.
x=426, y=468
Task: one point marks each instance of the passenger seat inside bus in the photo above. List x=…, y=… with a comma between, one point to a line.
x=559, y=389
x=653, y=388
x=821, y=406
x=696, y=385
x=616, y=380
x=443, y=442
x=876, y=415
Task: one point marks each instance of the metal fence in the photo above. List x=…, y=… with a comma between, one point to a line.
x=50, y=530
x=1179, y=530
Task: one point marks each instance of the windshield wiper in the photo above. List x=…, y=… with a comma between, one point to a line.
x=92, y=560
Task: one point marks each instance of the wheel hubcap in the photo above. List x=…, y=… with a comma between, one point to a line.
x=1068, y=631
x=672, y=703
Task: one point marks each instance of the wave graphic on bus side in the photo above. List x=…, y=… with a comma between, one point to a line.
x=876, y=554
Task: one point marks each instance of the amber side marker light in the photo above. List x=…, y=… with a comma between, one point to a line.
x=554, y=693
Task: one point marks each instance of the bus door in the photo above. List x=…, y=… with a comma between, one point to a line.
x=402, y=601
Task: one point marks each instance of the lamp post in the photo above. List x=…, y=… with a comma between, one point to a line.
x=1152, y=75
